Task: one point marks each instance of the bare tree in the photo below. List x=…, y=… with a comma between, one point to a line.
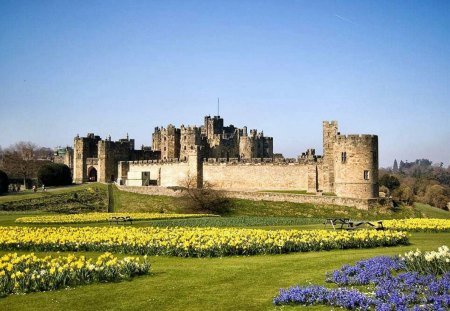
x=204, y=199
x=21, y=161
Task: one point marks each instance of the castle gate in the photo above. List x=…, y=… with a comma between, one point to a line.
x=92, y=174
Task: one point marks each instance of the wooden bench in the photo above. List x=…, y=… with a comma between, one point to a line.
x=348, y=224
x=344, y=222
x=120, y=219
x=367, y=224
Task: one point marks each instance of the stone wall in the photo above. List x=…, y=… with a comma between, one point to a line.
x=264, y=176
x=166, y=174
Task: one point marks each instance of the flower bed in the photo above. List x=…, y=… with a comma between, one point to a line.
x=436, y=262
x=28, y=273
x=394, y=284
x=102, y=217
x=191, y=242
x=419, y=224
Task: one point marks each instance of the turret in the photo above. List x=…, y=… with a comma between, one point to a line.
x=356, y=166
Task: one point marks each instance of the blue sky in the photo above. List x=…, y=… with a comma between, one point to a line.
x=112, y=67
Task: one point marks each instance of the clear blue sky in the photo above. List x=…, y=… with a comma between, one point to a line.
x=112, y=67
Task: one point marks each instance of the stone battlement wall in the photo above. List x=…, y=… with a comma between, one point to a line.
x=362, y=139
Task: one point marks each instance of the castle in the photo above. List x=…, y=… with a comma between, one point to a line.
x=233, y=159
x=216, y=140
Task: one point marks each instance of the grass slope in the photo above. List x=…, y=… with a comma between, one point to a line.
x=429, y=211
x=231, y=283
x=77, y=198
x=134, y=202
x=63, y=200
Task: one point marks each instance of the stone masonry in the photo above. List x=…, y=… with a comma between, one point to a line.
x=233, y=159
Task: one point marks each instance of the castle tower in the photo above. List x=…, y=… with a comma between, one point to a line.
x=330, y=131
x=190, y=138
x=85, y=163
x=195, y=161
x=156, y=139
x=170, y=143
x=356, y=166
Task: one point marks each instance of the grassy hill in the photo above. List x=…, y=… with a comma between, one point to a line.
x=94, y=197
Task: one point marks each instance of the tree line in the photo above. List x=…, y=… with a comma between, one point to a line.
x=27, y=164
x=418, y=181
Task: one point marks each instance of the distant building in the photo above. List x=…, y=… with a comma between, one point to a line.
x=64, y=155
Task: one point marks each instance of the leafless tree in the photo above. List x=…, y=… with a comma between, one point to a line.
x=21, y=160
x=205, y=199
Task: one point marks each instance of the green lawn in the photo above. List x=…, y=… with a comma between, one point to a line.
x=431, y=211
x=230, y=283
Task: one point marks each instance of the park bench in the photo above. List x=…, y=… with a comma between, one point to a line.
x=344, y=222
x=347, y=224
x=120, y=219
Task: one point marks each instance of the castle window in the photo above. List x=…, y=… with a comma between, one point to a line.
x=343, y=157
x=165, y=148
x=192, y=147
x=366, y=175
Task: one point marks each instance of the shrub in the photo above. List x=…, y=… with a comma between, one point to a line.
x=205, y=199
x=436, y=195
x=389, y=181
x=403, y=194
x=4, y=182
x=55, y=174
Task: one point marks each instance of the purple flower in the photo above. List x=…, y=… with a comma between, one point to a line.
x=392, y=288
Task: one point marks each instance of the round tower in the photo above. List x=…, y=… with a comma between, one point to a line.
x=356, y=166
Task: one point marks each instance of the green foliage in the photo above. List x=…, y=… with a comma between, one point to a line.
x=403, y=194
x=4, y=182
x=385, y=190
x=389, y=181
x=55, y=174
x=436, y=195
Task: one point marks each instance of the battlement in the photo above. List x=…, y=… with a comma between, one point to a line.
x=357, y=139
x=154, y=162
x=89, y=137
x=251, y=162
x=190, y=129
x=330, y=123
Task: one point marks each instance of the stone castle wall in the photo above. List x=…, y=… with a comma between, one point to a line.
x=161, y=173
x=264, y=176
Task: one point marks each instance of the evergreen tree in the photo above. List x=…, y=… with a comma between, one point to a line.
x=395, y=167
